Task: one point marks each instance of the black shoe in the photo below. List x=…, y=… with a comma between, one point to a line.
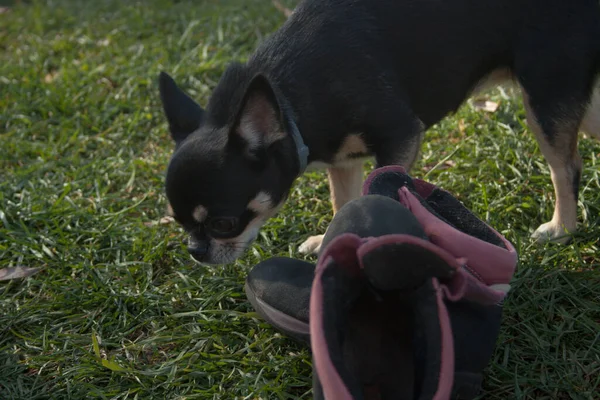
x=279, y=290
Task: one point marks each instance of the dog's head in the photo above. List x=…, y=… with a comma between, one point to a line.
x=233, y=164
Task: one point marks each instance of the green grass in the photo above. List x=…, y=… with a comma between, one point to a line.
x=120, y=312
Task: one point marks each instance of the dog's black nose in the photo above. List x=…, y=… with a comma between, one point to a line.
x=198, y=250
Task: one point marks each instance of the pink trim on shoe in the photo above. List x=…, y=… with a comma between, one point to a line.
x=425, y=189
x=493, y=264
x=460, y=286
x=332, y=384
x=446, y=376
x=347, y=251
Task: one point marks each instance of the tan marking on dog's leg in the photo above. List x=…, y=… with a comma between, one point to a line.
x=564, y=220
x=353, y=144
x=345, y=184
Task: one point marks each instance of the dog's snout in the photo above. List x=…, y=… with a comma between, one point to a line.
x=198, y=249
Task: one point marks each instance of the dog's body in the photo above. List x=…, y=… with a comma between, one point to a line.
x=364, y=78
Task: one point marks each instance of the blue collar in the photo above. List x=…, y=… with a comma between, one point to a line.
x=301, y=149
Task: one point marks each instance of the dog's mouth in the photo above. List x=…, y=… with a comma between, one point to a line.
x=221, y=251
x=215, y=250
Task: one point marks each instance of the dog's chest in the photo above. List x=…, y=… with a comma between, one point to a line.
x=352, y=151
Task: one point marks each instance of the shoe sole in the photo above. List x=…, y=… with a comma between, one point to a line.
x=281, y=321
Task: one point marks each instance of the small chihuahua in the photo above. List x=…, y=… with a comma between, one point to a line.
x=343, y=80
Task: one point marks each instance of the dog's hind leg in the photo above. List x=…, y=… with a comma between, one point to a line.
x=557, y=70
x=557, y=137
x=345, y=184
x=554, y=114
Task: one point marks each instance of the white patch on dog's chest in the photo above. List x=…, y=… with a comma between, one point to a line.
x=352, y=151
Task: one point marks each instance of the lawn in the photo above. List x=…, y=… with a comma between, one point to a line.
x=119, y=310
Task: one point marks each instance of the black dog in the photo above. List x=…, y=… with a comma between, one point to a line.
x=349, y=79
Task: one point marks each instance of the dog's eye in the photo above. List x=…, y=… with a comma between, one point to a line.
x=222, y=225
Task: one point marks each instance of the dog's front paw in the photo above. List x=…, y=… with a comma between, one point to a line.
x=552, y=232
x=312, y=245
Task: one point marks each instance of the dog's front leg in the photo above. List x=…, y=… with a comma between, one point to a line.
x=345, y=184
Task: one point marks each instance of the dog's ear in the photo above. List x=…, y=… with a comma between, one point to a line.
x=259, y=121
x=183, y=114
